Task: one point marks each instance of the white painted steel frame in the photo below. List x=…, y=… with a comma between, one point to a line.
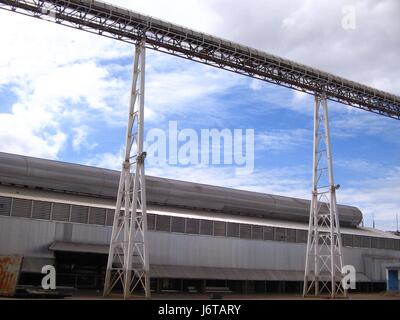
x=324, y=262
x=128, y=260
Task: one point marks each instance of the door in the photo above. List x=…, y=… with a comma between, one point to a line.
x=393, y=280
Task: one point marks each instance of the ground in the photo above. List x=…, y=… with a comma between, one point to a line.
x=182, y=296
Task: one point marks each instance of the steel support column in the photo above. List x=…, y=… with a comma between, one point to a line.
x=128, y=260
x=323, y=267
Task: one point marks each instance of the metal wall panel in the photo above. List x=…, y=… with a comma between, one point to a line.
x=33, y=238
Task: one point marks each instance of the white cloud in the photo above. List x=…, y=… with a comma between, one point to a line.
x=283, y=140
x=107, y=160
x=376, y=196
x=80, y=139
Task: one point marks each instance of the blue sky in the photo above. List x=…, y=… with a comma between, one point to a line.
x=64, y=95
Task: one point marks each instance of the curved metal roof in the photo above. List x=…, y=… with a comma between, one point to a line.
x=103, y=183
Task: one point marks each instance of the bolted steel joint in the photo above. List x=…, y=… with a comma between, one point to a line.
x=126, y=164
x=140, y=158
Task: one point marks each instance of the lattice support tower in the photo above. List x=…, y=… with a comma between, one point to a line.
x=128, y=260
x=324, y=260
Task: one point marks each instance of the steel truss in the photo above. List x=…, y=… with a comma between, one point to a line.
x=125, y=25
x=128, y=259
x=324, y=262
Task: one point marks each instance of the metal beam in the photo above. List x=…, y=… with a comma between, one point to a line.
x=128, y=26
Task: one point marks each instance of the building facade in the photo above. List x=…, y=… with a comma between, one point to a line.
x=200, y=237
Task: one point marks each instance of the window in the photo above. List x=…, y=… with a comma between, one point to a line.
x=374, y=242
x=268, y=233
x=97, y=216
x=233, y=230
x=291, y=235
x=163, y=223
x=79, y=214
x=280, y=234
x=192, y=226
x=219, y=228
x=301, y=236
x=5, y=205
x=365, y=242
x=381, y=243
x=389, y=244
x=61, y=212
x=178, y=224
x=110, y=217
x=151, y=221
x=245, y=231
x=257, y=232
x=21, y=208
x=41, y=210
x=206, y=227
x=357, y=241
x=347, y=240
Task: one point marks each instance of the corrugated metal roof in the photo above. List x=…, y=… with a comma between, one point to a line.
x=101, y=183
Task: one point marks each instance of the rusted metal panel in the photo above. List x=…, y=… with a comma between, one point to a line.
x=10, y=267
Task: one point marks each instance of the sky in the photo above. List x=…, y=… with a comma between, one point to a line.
x=64, y=94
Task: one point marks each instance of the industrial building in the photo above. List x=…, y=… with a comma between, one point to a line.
x=200, y=236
